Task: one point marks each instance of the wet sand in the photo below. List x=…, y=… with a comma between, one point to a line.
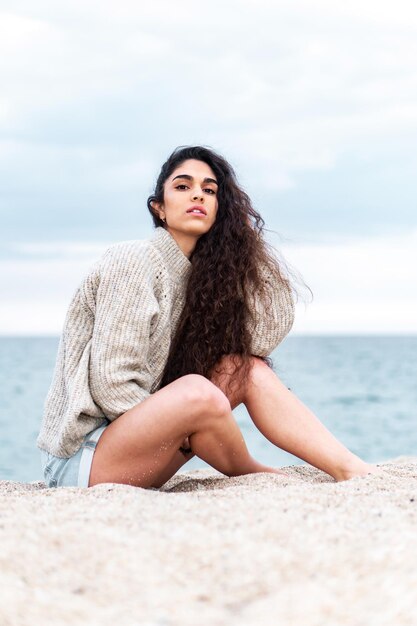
x=211, y=550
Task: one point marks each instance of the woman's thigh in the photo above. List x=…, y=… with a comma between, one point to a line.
x=141, y=447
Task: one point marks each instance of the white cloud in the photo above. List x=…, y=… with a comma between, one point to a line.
x=307, y=82
x=17, y=31
x=368, y=286
x=56, y=249
x=36, y=292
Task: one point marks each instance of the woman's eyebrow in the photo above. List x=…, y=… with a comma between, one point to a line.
x=188, y=177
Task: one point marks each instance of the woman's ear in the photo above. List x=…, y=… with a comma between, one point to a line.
x=156, y=207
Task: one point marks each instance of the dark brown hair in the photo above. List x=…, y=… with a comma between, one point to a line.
x=225, y=267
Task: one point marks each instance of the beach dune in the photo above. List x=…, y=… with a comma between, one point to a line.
x=210, y=550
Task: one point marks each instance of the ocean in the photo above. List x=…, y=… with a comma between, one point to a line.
x=363, y=388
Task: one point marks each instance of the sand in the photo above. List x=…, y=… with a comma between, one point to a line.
x=211, y=550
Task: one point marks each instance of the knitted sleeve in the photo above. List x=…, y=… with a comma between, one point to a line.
x=269, y=326
x=125, y=309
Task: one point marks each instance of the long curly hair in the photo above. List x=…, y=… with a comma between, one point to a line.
x=225, y=267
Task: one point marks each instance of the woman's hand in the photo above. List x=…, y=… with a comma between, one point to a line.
x=185, y=447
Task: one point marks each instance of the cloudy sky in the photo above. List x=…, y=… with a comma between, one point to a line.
x=313, y=103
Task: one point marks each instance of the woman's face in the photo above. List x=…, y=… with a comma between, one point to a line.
x=193, y=183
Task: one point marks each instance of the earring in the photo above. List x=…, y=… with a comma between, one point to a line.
x=164, y=219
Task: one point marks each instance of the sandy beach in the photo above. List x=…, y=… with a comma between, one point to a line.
x=211, y=550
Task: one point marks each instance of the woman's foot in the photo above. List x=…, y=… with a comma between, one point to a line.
x=269, y=470
x=274, y=470
x=362, y=469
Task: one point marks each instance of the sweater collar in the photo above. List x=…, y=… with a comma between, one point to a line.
x=178, y=265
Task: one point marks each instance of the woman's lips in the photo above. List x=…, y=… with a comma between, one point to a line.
x=197, y=207
x=197, y=212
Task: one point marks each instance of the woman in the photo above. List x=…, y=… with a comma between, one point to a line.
x=164, y=337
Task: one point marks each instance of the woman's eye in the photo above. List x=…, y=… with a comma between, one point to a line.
x=207, y=189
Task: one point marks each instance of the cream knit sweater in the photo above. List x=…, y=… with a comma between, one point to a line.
x=117, y=333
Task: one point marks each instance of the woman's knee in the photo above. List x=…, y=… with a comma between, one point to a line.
x=233, y=379
x=204, y=397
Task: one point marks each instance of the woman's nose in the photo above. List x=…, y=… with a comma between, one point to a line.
x=196, y=196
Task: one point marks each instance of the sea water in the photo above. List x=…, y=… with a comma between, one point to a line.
x=363, y=388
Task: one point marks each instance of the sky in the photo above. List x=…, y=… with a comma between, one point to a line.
x=313, y=103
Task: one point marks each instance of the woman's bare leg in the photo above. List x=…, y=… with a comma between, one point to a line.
x=141, y=446
x=285, y=421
